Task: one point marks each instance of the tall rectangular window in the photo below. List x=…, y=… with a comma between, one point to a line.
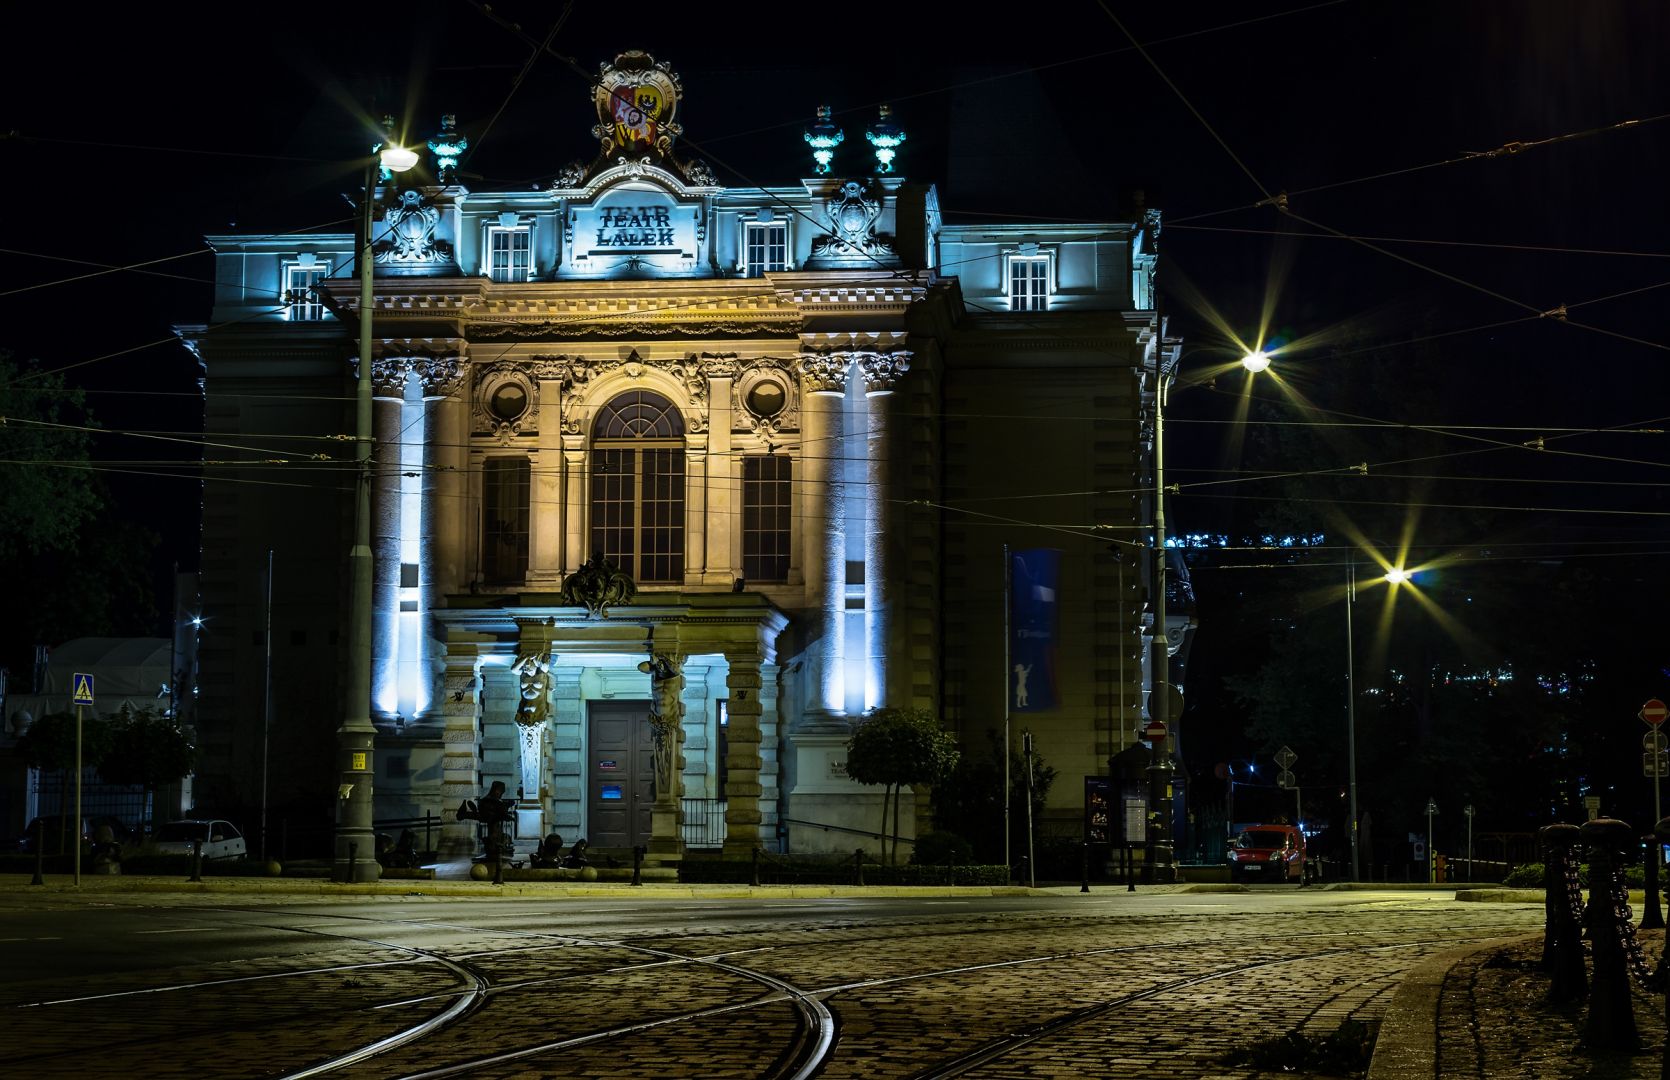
x=509, y=253
x=1029, y=282
x=300, y=302
x=767, y=248
x=504, y=520
x=767, y=499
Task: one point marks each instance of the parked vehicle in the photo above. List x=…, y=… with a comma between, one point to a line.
x=1274, y=853
x=56, y=833
x=221, y=839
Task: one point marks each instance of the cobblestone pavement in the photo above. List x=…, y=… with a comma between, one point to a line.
x=1492, y=1021
x=1132, y=989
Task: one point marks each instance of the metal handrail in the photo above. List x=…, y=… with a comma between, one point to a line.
x=843, y=828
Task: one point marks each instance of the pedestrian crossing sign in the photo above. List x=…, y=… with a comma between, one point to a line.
x=81, y=689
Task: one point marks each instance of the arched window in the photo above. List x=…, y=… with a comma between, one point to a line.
x=637, y=486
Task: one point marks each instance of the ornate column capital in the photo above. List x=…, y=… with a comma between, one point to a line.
x=388, y=377
x=439, y=377
x=882, y=371
x=824, y=372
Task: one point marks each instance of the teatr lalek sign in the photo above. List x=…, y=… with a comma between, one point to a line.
x=635, y=227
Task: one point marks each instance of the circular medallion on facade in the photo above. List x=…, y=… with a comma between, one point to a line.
x=766, y=399
x=508, y=402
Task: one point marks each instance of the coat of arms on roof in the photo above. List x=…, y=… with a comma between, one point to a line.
x=637, y=101
x=598, y=584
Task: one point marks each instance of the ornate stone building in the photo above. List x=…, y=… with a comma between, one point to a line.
x=673, y=483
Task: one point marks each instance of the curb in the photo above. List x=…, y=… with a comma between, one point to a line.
x=1407, y=1046
x=479, y=890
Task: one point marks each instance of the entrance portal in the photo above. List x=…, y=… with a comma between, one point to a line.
x=620, y=773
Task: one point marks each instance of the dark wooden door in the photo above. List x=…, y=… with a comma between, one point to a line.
x=620, y=773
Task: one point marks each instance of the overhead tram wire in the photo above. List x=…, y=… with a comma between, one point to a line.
x=1506, y=149
x=1486, y=245
x=516, y=83
x=152, y=262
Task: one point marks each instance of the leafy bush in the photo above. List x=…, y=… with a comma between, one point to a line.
x=1530, y=876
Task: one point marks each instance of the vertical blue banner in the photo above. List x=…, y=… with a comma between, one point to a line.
x=1034, y=628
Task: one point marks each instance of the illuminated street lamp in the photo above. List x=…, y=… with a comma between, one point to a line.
x=354, y=854
x=1159, y=694
x=1394, y=577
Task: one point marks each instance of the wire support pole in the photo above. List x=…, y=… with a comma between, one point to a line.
x=1351, y=712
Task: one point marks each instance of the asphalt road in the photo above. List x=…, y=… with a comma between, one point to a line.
x=1108, y=984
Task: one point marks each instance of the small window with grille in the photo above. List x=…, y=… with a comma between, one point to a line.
x=637, y=487
x=766, y=248
x=1029, y=282
x=509, y=253
x=504, y=520
x=301, y=303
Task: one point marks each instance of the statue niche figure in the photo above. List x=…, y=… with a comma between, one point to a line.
x=666, y=719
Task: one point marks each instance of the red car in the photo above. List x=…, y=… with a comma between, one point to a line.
x=1273, y=853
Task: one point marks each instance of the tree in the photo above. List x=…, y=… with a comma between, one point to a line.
x=148, y=749
x=44, y=423
x=50, y=742
x=896, y=748
x=970, y=800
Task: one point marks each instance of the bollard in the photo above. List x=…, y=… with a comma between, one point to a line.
x=1084, y=867
x=754, y=866
x=353, y=857
x=1652, y=918
x=858, y=867
x=40, y=852
x=1130, y=869
x=1562, y=946
x=638, y=864
x=196, y=861
x=1610, y=1024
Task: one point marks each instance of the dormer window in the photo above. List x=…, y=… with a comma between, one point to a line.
x=765, y=247
x=509, y=252
x=1030, y=280
x=301, y=303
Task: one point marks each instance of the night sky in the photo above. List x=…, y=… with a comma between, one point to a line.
x=135, y=132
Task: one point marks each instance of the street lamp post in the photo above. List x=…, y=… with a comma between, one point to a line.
x=1351, y=711
x=354, y=853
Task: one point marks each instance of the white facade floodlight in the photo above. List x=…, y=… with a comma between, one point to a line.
x=1256, y=361
x=397, y=158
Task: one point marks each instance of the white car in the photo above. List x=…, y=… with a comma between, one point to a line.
x=221, y=839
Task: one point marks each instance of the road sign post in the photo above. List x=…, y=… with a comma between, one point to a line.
x=1652, y=762
x=1285, y=757
x=1468, y=810
x=81, y=694
x=1431, y=857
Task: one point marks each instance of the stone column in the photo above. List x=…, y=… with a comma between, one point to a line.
x=742, y=763
x=881, y=372
x=771, y=755
x=389, y=390
x=568, y=773
x=545, y=568
x=724, y=498
x=667, y=687
x=574, y=466
x=440, y=381
x=450, y=508
x=823, y=385
x=460, y=776
x=695, y=508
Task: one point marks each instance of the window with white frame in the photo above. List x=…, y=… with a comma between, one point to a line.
x=301, y=303
x=509, y=252
x=1029, y=282
x=765, y=248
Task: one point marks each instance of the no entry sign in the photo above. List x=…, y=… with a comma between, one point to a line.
x=1653, y=712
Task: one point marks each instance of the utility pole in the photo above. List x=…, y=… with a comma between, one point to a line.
x=1159, y=694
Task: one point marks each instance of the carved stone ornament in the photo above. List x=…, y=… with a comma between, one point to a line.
x=439, y=377
x=533, y=667
x=825, y=373
x=606, y=327
x=596, y=585
x=409, y=239
x=851, y=241
x=752, y=396
x=388, y=377
x=499, y=388
x=882, y=371
x=666, y=715
x=637, y=102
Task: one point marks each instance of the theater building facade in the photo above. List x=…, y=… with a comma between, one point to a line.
x=673, y=483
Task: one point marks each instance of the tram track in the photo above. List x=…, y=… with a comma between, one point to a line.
x=802, y=1055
